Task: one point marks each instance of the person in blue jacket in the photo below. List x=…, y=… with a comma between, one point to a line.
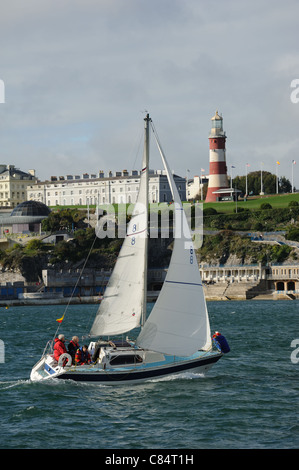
x=220, y=342
x=82, y=356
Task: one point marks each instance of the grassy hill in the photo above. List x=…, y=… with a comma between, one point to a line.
x=254, y=203
x=251, y=216
x=226, y=246
x=270, y=213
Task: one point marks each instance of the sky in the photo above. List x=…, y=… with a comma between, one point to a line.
x=80, y=74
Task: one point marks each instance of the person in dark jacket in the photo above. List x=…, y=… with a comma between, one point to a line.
x=220, y=342
x=82, y=356
x=72, y=347
x=59, y=347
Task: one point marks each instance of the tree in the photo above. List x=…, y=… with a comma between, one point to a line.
x=254, y=183
x=66, y=219
x=284, y=185
x=293, y=234
x=33, y=247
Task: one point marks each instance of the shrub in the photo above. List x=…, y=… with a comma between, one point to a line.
x=280, y=253
x=209, y=211
x=293, y=234
x=265, y=206
x=33, y=247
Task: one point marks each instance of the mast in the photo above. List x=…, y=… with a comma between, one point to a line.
x=145, y=168
x=123, y=306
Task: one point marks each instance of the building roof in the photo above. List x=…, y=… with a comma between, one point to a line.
x=216, y=117
x=12, y=171
x=27, y=212
x=31, y=208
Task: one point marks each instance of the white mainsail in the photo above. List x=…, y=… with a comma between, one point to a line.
x=124, y=299
x=178, y=323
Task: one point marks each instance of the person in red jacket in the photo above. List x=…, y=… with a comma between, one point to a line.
x=59, y=347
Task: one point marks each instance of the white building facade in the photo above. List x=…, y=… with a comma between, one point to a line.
x=98, y=189
x=195, y=187
x=13, y=185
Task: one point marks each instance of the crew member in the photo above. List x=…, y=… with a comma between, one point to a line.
x=72, y=347
x=59, y=347
x=221, y=342
x=82, y=356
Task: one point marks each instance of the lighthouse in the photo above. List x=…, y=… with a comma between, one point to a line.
x=218, y=181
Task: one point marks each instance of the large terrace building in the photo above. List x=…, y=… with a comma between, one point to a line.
x=122, y=187
x=13, y=185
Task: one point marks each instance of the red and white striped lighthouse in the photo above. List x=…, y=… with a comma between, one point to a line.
x=218, y=171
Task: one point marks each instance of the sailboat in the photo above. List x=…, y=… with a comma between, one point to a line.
x=175, y=337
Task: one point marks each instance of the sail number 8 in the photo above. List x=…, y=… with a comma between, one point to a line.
x=133, y=238
x=191, y=255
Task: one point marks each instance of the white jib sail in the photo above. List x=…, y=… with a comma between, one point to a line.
x=123, y=303
x=179, y=323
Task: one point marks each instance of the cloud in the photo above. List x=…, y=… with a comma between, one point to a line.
x=78, y=74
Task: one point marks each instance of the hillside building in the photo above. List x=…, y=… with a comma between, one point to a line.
x=98, y=189
x=13, y=185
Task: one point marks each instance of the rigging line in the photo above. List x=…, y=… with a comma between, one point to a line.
x=77, y=282
x=156, y=135
x=138, y=148
x=185, y=283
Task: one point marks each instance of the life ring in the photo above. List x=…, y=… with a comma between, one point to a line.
x=65, y=357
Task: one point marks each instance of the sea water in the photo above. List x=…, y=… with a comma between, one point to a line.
x=249, y=399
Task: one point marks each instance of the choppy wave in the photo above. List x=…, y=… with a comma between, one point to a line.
x=249, y=399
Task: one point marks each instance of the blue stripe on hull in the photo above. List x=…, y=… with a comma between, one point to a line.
x=107, y=376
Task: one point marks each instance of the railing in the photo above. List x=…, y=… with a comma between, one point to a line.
x=48, y=348
x=284, y=292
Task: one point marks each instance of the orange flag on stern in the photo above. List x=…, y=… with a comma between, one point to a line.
x=60, y=319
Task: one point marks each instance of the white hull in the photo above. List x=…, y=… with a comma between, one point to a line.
x=99, y=373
